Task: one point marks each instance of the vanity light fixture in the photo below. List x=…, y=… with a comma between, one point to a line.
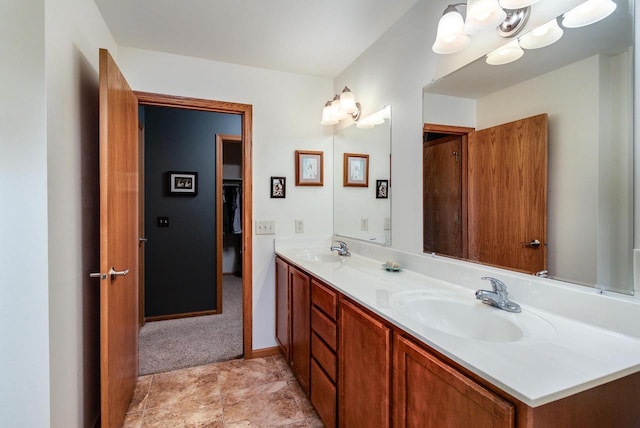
x=453, y=31
x=588, y=13
x=483, y=15
x=516, y=4
x=340, y=107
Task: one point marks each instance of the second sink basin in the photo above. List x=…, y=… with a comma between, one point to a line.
x=319, y=257
x=470, y=319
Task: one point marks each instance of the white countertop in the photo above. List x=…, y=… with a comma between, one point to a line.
x=556, y=358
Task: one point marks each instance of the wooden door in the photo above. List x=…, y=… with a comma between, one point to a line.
x=508, y=194
x=300, y=345
x=442, y=195
x=282, y=306
x=364, y=364
x=118, y=242
x=430, y=394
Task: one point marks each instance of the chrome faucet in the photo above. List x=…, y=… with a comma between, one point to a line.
x=498, y=297
x=341, y=248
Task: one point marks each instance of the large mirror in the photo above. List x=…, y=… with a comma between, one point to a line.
x=580, y=90
x=362, y=182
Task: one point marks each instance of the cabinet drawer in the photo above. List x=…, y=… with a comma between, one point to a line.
x=323, y=395
x=324, y=327
x=324, y=298
x=324, y=356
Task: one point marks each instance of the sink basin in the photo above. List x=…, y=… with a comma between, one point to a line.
x=470, y=319
x=319, y=257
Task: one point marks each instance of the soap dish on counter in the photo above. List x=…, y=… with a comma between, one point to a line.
x=391, y=266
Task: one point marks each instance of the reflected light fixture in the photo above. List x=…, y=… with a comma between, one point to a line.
x=542, y=36
x=340, y=107
x=588, y=13
x=505, y=54
x=376, y=118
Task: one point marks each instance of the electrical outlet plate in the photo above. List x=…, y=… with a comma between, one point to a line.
x=299, y=226
x=265, y=227
x=364, y=224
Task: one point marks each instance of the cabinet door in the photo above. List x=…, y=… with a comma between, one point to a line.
x=300, y=345
x=430, y=393
x=364, y=369
x=282, y=306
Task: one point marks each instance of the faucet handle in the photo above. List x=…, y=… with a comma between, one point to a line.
x=497, y=285
x=343, y=244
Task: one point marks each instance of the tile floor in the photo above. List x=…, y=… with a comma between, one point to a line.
x=261, y=392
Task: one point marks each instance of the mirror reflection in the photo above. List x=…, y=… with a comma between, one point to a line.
x=362, y=185
x=528, y=165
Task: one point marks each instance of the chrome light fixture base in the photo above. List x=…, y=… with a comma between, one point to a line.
x=356, y=114
x=514, y=22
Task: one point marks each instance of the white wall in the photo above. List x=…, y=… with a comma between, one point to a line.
x=287, y=109
x=24, y=311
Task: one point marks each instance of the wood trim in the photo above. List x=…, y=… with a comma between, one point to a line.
x=447, y=129
x=464, y=132
x=181, y=315
x=219, y=231
x=345, y=170
x=265, y=352
x=141, y=224
x=246, y=111
x=221, y=139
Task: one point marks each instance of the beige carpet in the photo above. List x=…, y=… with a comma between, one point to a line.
x=189, y=342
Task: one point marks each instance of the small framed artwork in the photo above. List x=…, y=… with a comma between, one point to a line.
x=278, y=187
x=183, y=183
x=309, y=168
x=356, y=170
x=382, y=189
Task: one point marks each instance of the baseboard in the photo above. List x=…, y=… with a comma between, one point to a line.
x=183, y=315
x=264, y=352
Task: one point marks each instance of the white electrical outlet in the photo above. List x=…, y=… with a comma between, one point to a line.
x=299, y=226
x=387, y=223
x=265, y=227
x=364, y=224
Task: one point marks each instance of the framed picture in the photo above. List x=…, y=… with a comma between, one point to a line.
x=278, y=187
x=183, y=183
x=309, y=168
x=382, y=189
x=356, y=170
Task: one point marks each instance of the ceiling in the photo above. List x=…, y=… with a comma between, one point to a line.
x=318, y=38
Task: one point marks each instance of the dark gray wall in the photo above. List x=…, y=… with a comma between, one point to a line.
x=180, y=260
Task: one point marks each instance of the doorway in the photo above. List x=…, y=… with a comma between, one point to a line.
x=241, y=113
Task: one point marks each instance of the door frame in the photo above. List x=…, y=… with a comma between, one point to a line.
x=463, y=132
x=246, y=111
x=221, y=139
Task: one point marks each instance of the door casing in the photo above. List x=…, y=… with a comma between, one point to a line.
x=245, y=110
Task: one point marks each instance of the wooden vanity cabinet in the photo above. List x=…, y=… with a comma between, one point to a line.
x=299, y=327
x=364, y=350
x=347, y=359
x=431, y=394
x=293, y=306
x=282, y=306
x=324, y=361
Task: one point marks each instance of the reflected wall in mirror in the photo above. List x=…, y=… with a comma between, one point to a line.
x=584, y=84
x=357, y=212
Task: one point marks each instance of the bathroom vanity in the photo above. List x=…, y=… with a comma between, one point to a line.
x=377, y=348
